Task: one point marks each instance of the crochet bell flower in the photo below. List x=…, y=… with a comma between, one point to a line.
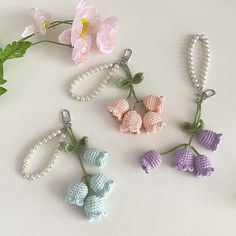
x=150, y=161
x=152, y=122
x=209, y=139
x=101, y=185
x=183, y=160
x=153, y=103
x=76, y=194
x=118, y=108
x=94, y=207
x=131, y=123
x=203, y=166
x=96, y=157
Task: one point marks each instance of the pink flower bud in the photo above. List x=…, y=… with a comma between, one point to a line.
x=153, y=103
x=118, y=108
x=152, y=122
x=131, y=123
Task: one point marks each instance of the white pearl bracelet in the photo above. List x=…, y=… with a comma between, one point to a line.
x=111, y=67
x=29, y=156
x=199, y=82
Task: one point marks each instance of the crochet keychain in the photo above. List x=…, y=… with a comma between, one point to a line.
x=131, y=120
x=186, y=157
x=91, y=191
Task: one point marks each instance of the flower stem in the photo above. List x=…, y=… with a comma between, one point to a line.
x=174, y=148
x=74, y=141
x=52, y=25
x=196, y=152
x=50, y=41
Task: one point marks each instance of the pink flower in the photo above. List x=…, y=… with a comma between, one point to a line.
x=80, y=34
x=41, y=20
x=118, y=108
x=131, y=123
x=85, y=27
x=107, y=35
x=152, y=122
x=153, y=103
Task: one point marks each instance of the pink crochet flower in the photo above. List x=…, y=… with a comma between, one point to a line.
x=85, y=26
x=118, y=108
x=153, y=103
x=152, y=122
x=131, y=123
x=41, y=20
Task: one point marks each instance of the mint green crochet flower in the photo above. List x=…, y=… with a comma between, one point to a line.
x=101, y=184
x=94, y=207
x=96, y=157
x=76, y=194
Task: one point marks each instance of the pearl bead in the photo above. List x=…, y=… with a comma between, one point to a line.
x=199, y=82
x=101, y=86
x=32, y=176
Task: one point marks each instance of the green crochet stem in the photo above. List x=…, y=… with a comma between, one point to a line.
x=131, y=87
x=195, y=127
x=75, y=143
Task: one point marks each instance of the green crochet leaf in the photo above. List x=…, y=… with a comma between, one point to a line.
x=69, y=147
x=2, y=90
x=123, y=83
x=186, y=126
x=15, y=50
x=138, y=78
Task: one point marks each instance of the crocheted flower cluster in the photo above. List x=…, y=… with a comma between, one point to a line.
x=185, y=159
x=132, y=121
x=92, y=191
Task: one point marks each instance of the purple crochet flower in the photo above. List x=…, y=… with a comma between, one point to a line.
x=150, y=161
x=203, y=166
x=209, y=139
x=183, y=160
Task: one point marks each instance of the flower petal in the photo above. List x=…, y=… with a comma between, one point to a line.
x=65, y=36
x=81, y=49
x=107, y=35
x=28, y=31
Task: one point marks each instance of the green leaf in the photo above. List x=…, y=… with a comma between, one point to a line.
x=1, y=50
x=186, y=126
x=2, y=90
x=138, y=78
x=1, y=70
x=123, y=83
x=83, y=141
x=15, y=50
x=2, y=81
x=69, y=147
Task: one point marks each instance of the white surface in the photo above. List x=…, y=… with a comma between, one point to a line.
x=164, y=203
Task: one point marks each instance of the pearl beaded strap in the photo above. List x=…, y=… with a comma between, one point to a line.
x=62, y=135
x=199, y=82
x=111, y=67
x=29, y=156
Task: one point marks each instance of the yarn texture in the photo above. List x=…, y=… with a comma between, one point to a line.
x=152, y=122
x=94, y=208
x=209, y=139
x=203, y=166
x=150, y=161
x=183, y=160
x=118, y=108
x=101, y=185
x=131, y=123
x=96, y=157
x=76, y=194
